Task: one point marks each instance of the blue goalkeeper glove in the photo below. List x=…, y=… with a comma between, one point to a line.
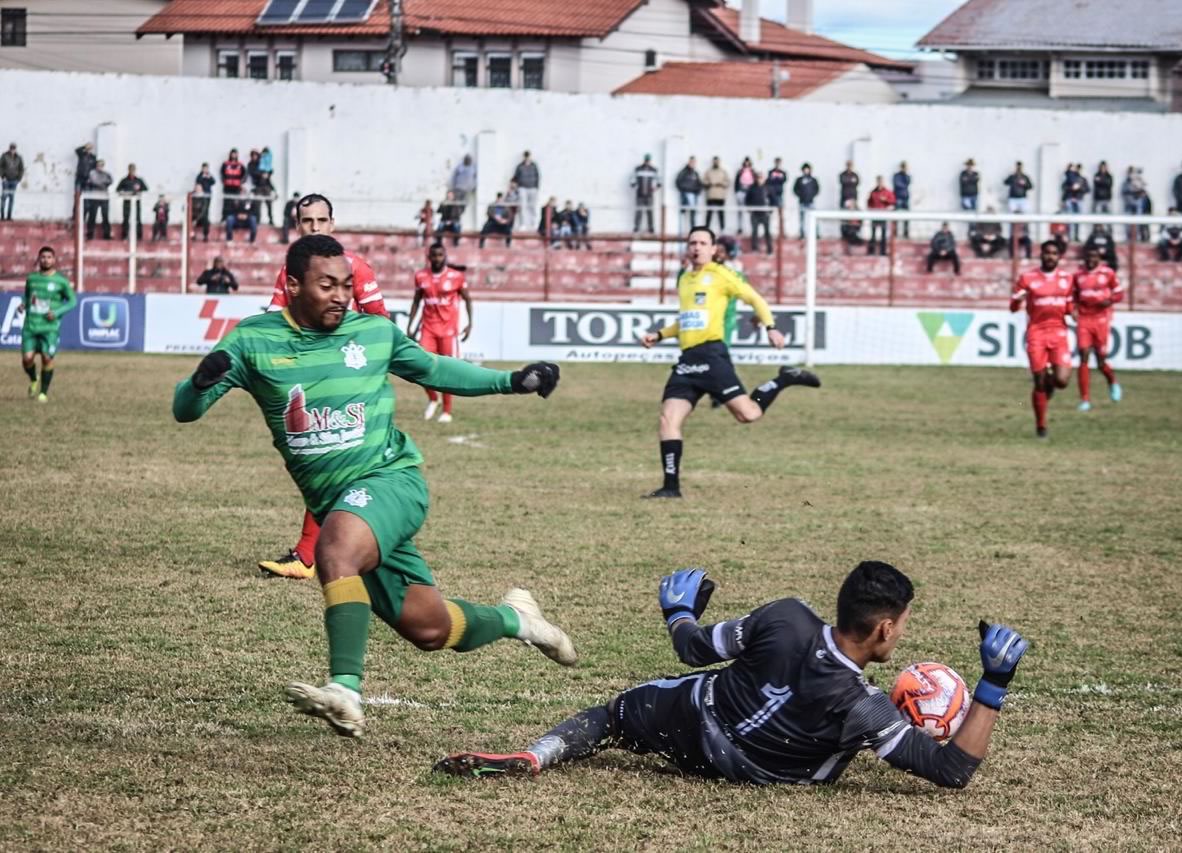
x=1001, y=650
x=683, y=594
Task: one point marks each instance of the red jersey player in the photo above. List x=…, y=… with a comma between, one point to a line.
x=1096, y=291
x=1047, y=292
x=439, y=289
x=314, y=216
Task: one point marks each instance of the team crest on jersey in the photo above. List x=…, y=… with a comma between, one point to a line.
x=699, y=298
x=358, y=498
x=354, y=355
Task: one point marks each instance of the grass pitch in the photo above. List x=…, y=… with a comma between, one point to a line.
x=142, y=658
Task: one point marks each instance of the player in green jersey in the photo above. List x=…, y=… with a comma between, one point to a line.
x=48, y=298
x=319, y=374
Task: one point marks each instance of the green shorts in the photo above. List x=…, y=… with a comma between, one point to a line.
x=42, y=342
x=393, y=502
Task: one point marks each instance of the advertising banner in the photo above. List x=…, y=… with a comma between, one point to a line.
x=101, y=321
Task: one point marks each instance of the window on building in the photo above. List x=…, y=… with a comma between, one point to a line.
x=986, y=69
x=358, y=60
x=13, y=24
x=1139, y=69
x=256, y=65
x=650, y=60
x=1106, y=69
x=285, y=65
x=1021, y=69
x=465, y=68
x=1072, y=69
x=227, y=63
x=533, y=71
x=500, y=70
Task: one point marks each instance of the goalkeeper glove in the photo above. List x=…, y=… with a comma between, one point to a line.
x=1001, y=650
x=212, y=370
x=683, y=594
x=539, y=378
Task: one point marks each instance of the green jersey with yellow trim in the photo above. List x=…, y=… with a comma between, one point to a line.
x=326, y=397
x=47, y=293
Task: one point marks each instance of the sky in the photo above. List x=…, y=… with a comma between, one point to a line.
x=889, y=27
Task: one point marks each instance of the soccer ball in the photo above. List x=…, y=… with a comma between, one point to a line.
x=932, y=697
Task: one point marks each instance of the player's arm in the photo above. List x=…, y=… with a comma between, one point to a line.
x=233, y=281
x=1116, y=292
x=222, y=369
x=27, y=299
x=1017, y=295
x=366, y=291
x=467, y=307
x=683, y=596
x=670, y=331
x=414, y=311
x=69, y=301
x=455, y=376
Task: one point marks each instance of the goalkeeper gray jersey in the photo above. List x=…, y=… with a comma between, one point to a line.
x=792, y=708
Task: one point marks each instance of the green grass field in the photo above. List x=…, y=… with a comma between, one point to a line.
x=142, y=659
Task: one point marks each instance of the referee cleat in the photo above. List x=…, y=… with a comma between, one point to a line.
x=445, y=418
x=480, y=765
x=429, y=412
x=1084, y=406
x=1114, y=392
x=334, y=703
x=533, y=629
x=663, y=493
x=1041, y=432
x=288, y=566
x=798, y=376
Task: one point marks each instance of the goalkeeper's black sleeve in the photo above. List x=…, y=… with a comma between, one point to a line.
x=702, y=645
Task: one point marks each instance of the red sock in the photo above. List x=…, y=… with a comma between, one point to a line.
x=1108, y=372
x=447, y=403
x=1085, y=382
x=1038, y=399
x=431, y=395
x=306, y=548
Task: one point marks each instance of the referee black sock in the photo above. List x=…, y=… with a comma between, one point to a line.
x=766, y=393
x=671, y=463
x=31, y=371
x=46, y=378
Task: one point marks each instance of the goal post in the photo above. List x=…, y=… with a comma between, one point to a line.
x=1120, y=227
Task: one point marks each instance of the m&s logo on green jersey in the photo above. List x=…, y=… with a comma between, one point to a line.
x=945, y=329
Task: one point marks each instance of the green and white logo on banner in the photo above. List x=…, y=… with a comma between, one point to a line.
x=945, y=329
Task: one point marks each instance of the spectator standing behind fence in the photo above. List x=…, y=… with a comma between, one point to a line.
x=1169, y=242
x=463, y=181
x=851, y=229
x=424, y=222
x=970, y=185
x=549, y=224
x=646, y=181
x=805, y=189
x=847, y=184
x=98, y=181
x=85, y=165
x=528, y=180
x=1075, y=186
x=291, y=218
x=566, y=218
x=12, y=169
x=233, y=177
x=512, y=201
x=744, y=180
x=450, y=214
x=1102, y=189
x=717, y=183
x=901, y=183
x=1134, y=196
x=202, y=192
x=160, y=219
x=881, y=198
x=943, y=248
x=135, y=186
x=217, y=279
x=757, y=205
x=264, y=188
x=689, y=191
x=1019, y=185
x=498, y=221
x=1101, y=241
x=775, y=182
x=581, y=226
x=985, y=238
x=1177, y=191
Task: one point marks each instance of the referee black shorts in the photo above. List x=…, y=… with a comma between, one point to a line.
x=704, y=369
x=662, y=717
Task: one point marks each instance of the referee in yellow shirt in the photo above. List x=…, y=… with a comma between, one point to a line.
x=705, y=366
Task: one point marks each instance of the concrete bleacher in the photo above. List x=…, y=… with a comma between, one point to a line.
x=617, y=268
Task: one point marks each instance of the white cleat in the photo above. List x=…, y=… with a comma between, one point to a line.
x=334, y=703
x=545, y=636
x=445, y=418
x=430, y=411
x=1085, y=406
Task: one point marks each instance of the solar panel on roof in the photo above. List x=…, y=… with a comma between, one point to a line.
x=354, y=10
x=278, y=11
x=316, y=12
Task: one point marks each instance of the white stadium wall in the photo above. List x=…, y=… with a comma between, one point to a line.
x=365, y=142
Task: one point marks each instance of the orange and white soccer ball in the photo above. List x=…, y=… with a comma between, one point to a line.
x=933, y=697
